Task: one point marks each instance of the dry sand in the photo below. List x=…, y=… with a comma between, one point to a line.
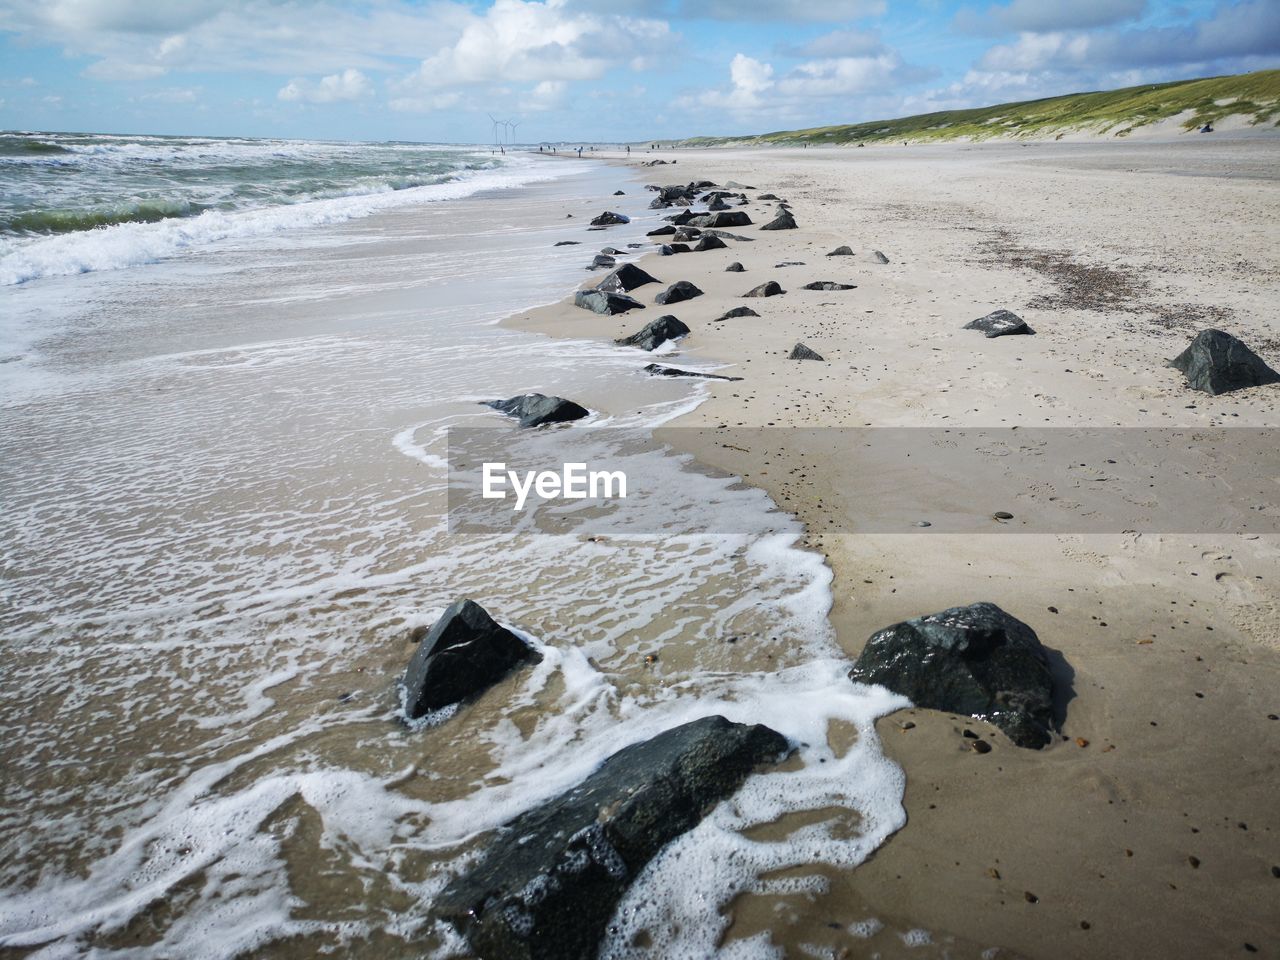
x=1151, y=828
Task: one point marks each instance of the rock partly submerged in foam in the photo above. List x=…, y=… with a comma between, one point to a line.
x=975, y=660
x=1216, y=362
x=536, y=409
x=549, y=882
x=464, y=654
x=655, y=333
x=608, y=219
x=658, y=370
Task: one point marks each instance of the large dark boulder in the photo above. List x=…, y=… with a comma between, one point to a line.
x=770, y=288
x=535, y=409
x=783, y=221
x=768, y=196
x=655, y=333
x=463, y=655
x=709, y=243
x=879, y=257
x=657, y=203
x=624, y=279
x=1000, y=323
x=735, y=267
x=681, y=218
x=975, y=660
x=737, y=312
x=549, y=882
x=801, y=352
x=829, y=285
x=566, y=243
x=666, y=231
x=608, y=219
x=601, y=261
x=841, y=252
x=658, y=370
x=671, y=249
x=686, y=234
x=676, y=191
x=678, y=292
x=601, y=301
x=723, y=235
x=722, y=218
x=1217, y=362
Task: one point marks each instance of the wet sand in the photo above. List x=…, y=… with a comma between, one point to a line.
x=1150, y=828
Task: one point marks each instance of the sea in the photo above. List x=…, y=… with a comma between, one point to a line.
x=228, y=370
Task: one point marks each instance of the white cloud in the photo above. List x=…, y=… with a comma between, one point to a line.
x=815, y=87
x=1235, y=30
x=348, y=85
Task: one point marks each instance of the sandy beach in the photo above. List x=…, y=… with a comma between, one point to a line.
x=1149, y=828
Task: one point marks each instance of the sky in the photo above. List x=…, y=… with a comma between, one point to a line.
x=601, y=70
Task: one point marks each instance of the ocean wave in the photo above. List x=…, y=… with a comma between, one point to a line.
x=127, y=244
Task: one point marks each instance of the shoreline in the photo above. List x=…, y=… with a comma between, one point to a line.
x=1103, y=836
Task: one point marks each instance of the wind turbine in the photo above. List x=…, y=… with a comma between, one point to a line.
x=496, y=121
x=513, y=124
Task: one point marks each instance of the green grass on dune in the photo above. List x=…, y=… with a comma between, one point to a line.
x=1256, y=96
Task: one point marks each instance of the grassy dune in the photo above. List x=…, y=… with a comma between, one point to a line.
x=1256, y=96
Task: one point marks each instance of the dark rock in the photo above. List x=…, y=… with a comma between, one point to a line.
x=675, y=191
x=685, y=234
x=601, y=260
x=737, y=312
x=783, y=221
x=735, y=185
x=681, y=218
x=735, y=267
x=655, y=333
x=788, y=263
x=841, y=252
x=679, y=291
x=709, y=243
x=1000, y=323
x=723, y=235
x=666, y=231
x=655, y=163
x=722, y=218
x=536, y=409
x=625, y=278
x=657, y=203
x=801, y=352
x=619, y=193
x=830, y=285
x=634, y=246
x=548, y=884
x=601, y=301
x=567, y=243
x=657, y=370
x=768, y=196
x=1217, y=362
x=597, y=228
x=769, y=289
x=717, y=204
x=608, y=219
x=975, y=660
x=696, y=185
x=463, y=655
x=879, y=257
x=671, y=249
x=611, y=251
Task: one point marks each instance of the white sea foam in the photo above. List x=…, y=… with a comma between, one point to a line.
x=132, y=244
